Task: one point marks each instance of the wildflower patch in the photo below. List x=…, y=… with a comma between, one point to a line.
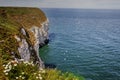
x=24, y=70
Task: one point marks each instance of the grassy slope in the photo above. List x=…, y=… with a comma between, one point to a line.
x=11, y=20
x=26, y=16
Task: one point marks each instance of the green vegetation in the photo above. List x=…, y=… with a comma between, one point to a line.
x=24, y=16
x=11, y=21
x=28, y=71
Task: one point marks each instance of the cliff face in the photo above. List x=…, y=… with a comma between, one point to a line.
x=22, y=32
x=28, y=28
x=27, y=51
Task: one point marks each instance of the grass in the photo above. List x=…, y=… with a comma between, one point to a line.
x=21, y=17
x=25, y=16
x=12, y=19
x=28, y=71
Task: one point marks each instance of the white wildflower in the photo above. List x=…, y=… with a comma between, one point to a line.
x=3, y=65
x=37, y=77
x=20, y=76
x=29, y=63
x=10, y=66
x=40, y=78
x=6, y=73
x=21, y=59
x=39, y=74
x=33, y=65
x=7, y=70
x=25, y=62
x=34, y=73
x=9, y=63
x=6, y=67
x=16, y=77
x=23, y=73
x=23, y=77
x=15, y=64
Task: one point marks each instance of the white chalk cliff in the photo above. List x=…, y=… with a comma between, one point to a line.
x=30, y=52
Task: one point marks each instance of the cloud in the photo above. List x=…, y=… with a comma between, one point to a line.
x=109, y=4
x=104, y=4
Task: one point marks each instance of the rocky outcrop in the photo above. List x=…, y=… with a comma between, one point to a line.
x=23, y=30
x=31, y=52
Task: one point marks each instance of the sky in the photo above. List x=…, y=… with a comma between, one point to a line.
x=85, y=4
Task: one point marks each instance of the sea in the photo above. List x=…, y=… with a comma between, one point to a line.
x=85, y=42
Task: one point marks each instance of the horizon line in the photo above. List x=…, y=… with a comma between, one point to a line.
x=64, y=8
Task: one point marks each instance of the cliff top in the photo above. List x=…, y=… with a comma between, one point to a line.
x=23, y=15
x=12, y=19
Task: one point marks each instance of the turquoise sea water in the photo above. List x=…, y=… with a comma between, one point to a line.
x=85, y=42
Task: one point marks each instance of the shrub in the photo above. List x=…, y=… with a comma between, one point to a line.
x=24, y=70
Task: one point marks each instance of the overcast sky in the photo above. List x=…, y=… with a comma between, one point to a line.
x=91, y=4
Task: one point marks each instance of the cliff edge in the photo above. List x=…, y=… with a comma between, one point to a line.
x=22, y=32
